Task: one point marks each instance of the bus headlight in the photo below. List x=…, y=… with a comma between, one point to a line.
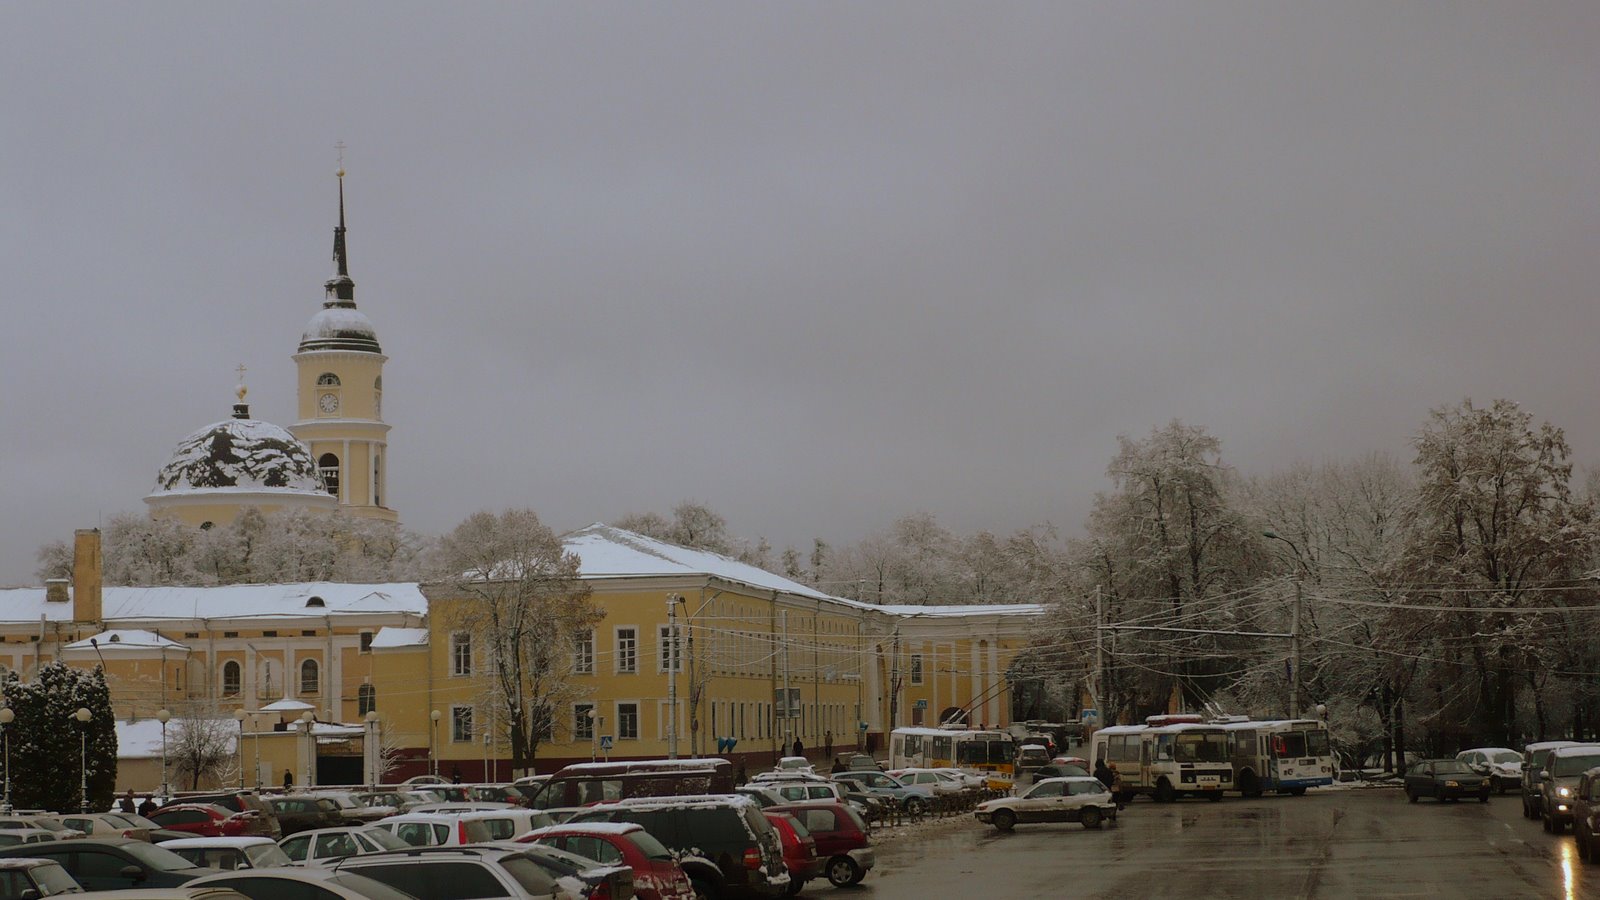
x=1563, y=792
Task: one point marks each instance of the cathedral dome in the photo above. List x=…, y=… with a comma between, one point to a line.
x=340, y=328
x=241, y=455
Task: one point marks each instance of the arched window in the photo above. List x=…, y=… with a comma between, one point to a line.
x=230, y=679
x=308, y=677
x=366, y=699
x=328, y=465
x=327, y=379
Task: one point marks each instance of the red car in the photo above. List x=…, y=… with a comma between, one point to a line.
x=799, y=849
x=211, y=820
x=841, y=839
x=656, y=873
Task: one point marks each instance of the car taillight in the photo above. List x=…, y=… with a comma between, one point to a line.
x=752, y=858
x=127, y=832
x=462, y=832
x=602, y=891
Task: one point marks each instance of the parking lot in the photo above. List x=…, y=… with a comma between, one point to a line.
x=1330, y=843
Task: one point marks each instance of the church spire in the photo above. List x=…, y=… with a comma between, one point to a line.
x=341, y=288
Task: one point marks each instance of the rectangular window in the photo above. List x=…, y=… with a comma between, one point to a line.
x=627, y=721
x=627, y=649
x=582, y=722
x=671, y=638
x=308, y=632
x=460, y=723
x=266, y=634
x=366, y=642
x=916, y=668
x=230, y=634
x=460, y=653
x=583, y=653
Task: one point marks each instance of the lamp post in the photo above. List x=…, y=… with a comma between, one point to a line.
x=371, y=750
x=310, y=779
x=433, y=741
x=239, y=715
x=164, y=716
x=255, y=743
x=1294, y=627
x=594, y=734
x=7, y=716
x=83, y=715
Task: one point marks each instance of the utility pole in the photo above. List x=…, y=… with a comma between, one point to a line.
x=894, y=683
x=788, y=711
x=1294, y=648
x=672, y=676
x=1097, y=685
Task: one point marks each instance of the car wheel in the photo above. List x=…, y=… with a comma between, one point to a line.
x=1164, y=792
x=703, y=889
x=796, y=885
x=1004, y=819
x=1582, y=842
x=1297, y=791
x=843, y=871
x=1090, y=817
x=1411, y=795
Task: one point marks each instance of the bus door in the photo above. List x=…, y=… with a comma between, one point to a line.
x=1146, y=777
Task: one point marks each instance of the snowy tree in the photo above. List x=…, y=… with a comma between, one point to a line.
x=45, y=736
x=200, y=746
x=523, y=604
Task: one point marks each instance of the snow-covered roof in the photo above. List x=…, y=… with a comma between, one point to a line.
x=390, y=638
x=910, y=611
x=240, y=453
x=609, y=552
x=287, y=704
x=127, y=639
x=141, y=738
x=586, y=827
x=340, y=328
x=145, y=604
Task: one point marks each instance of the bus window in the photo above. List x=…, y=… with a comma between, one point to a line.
x=1243, y=743
x=1317, y=743
x=1164, y=747
x=941, y=748
x=1289, y=744
x=973, y=753
x=898, y=749
x=1000, y=752
x=913, y=745
x=1201, y=748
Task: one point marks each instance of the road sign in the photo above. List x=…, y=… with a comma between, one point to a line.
x=922, y=704
x=605, y=742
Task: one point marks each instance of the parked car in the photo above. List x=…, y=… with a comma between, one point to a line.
x=303, y=812
x=579, y=875
x=869, y=806
x=727, y=847
x=156, y=834
x=11, y=837
x=1445, y=779
x=1029, y=758
x=914, y=798
x=799, y=850
x=48, y=823
x=45, y=877
x=1534, y=758
x=181, y=892
x=1076, y=799
x=238, y=801
x=497, y=793
x=794, y=764
x=930, y=779
x=1586, y=815
x=229, y=852
x=861, y=762
x=302, y=884
x=323, y=845
x=351, y=810
x=106, y=825
x=506, y=824
x=211, y=820
x=656, y=873
x=1502, y=765
x=1059, y=770
x=429, y=830
x=461, y=873
x=394, y=801
x=108, y=864
x=796, y=791
x=1559, y=780
x=841, y=838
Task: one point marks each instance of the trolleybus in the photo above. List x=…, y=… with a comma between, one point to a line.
x=1168, y=757
x=1283, y=755
x=989, y=752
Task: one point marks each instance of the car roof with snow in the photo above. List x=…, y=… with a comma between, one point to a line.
x=1575, y=750
x=205, y=842
x=590, y=827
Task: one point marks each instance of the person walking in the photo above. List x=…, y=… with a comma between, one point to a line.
x=799, y=748
x=827, y=742
x=147, y=807
x=127, y=802
x=838, y=766
x=1102, y=772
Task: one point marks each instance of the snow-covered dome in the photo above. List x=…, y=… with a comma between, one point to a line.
x=340, y=328
x=241, y=454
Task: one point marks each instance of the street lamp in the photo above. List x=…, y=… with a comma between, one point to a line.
x=7, y=716
x=433, y=740
x=594, y=734
x=83, y=715
x=239, y=714
x=310, y=779
x=671, y=653
x=164, y=716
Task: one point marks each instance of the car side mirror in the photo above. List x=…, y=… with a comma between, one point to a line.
x=133, y=872
x=1544, y=774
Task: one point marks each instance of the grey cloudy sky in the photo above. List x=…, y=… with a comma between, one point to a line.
x=816, y=265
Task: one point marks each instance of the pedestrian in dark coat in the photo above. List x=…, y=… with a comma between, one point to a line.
x=1103, y=773
x=799, y=748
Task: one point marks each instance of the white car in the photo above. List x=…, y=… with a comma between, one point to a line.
x=1076, y=798
x=1502, y=764
x=353, y=810
x=229, y=852
x=434, y=830
x=321, y=846
x=932, y=779
x=325, y=884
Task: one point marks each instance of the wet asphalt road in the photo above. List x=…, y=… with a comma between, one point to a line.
x=1330, y=844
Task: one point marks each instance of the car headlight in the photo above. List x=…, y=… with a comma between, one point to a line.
x=1452, y=784
x=1563, y=792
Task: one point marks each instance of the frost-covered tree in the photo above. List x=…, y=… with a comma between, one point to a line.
x=200, y=746
x=45, y=738
x=523, y=603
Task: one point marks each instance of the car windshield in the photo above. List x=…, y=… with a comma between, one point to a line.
x=265, y=856
x=52, y=879
x=1567, y=766
x=155, y=857
x=648, y=845
x=1505, y=756
x=368, y=887
x=1451, y=767
x=384, y=838
x=531, y=876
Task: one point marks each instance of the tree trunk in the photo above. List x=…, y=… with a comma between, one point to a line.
x=1400, y=734
x=1386, y=717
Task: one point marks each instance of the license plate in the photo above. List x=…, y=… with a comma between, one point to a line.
x=1209, y=779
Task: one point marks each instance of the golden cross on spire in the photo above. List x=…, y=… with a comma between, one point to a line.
x=241, y=390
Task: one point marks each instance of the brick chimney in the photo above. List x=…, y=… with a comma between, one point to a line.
x=86, y=575
x=55, y=590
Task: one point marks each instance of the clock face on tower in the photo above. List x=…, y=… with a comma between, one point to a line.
x=329, y=403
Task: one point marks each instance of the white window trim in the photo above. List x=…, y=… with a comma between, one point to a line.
x=661, y=649
x=616, y=722
x=450, y=648
x=471, y=737
x=616, y=650
x=590, y=669
x=300, y=676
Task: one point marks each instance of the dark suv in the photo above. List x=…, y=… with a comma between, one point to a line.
x=238, y=801
x=109, y=864
x=297, y=813
x=744, y=852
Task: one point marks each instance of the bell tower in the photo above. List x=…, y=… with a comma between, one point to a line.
x=340, y=394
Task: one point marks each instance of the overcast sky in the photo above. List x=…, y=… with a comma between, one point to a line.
x=814, y=265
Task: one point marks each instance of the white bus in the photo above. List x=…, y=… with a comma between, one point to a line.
x=971, y=750
x=1168, y=757
x=1283, y=755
